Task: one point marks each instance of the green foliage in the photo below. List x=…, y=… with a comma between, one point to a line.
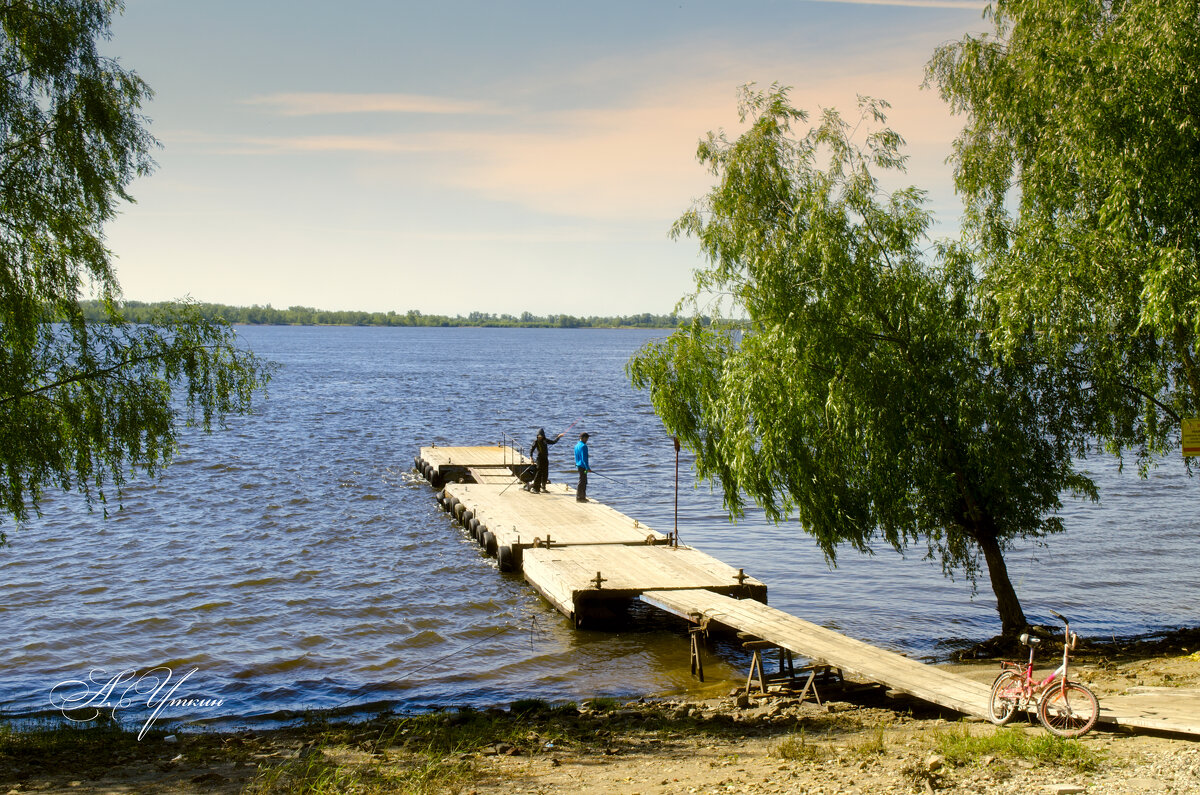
x=861, y=394
x=960, y=747
x=873, y=745
x=43, y=745
x=316, y=774
x=1078, y=165
x=83, y=405
x=797, y=748
x=90, y=403
x=530, y=706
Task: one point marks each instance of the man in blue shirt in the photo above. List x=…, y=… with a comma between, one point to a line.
x=581, y=463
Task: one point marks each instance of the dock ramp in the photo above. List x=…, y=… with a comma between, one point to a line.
x=826, y=647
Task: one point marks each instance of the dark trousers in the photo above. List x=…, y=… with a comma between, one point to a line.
x=541, y=475
x=581, y=489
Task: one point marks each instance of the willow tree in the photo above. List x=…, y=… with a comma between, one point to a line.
x=1080, y=167
x=855, y=390
x=84, y=405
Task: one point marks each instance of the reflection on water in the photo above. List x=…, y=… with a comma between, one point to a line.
x=296, y=562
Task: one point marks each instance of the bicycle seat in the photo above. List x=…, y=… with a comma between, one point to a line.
x=1028, y=640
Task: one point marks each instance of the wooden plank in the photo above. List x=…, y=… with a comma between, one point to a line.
x=517, y=517
x=1164, y=712
x=555, y=591
x=826, y=647
x=1171, y=692
x=478, y=456
x=566, y=575
x=495, y=476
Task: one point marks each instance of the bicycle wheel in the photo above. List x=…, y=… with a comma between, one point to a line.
x=1005, y=696
x=1068, y=710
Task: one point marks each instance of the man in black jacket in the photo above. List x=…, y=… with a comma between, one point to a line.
x=541, y=457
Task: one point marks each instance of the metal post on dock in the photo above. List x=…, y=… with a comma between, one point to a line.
x=675, y=535
x=697, y=634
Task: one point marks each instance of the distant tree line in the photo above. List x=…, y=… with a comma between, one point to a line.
x=140, y=312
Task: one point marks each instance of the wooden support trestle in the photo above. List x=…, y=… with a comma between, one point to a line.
x=785, y=675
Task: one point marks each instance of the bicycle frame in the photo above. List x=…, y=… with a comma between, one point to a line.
x=1066, y=708
x=1037, y=687
x=1032, y=689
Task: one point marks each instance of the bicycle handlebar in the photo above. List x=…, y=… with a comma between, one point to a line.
x=1060, y=617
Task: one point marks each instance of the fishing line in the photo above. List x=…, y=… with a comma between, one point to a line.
x=606, y=477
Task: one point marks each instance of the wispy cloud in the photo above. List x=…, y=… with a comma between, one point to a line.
x=616, y=158
x=348, y=143
x=371, y=144
x=322, y=104
x=637, y=160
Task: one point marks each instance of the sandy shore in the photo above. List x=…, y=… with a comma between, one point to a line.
x=864, y=742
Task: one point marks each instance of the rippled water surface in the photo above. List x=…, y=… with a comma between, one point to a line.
x=294, y=561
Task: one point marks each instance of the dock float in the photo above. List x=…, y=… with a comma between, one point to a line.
x=591, y=562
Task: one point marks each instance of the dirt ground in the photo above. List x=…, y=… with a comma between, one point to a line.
x=860, y=743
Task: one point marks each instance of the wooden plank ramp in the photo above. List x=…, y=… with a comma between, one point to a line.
x=826, y=647
x=1155, y=709
x=1164, y=709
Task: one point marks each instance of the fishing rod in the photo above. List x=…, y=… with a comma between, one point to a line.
x=514, y=446
x=606, y=477
x=517, y=479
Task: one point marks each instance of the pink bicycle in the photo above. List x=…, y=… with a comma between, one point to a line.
x=1065, y=708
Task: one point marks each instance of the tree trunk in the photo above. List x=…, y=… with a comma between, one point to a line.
x=1012, y=617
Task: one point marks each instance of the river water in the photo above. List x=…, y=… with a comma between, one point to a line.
x=294, y=561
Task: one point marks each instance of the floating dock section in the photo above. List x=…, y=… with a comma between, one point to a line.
x=591, y=562
x=584, y=581
x=585, y=558
x=495, y=464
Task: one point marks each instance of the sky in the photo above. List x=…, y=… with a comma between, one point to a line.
x=459, y=156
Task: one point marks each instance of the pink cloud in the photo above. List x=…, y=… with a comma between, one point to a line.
x=317, y=104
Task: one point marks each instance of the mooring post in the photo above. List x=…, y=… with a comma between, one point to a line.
x=597, y=579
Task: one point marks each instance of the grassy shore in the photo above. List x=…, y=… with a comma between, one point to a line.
x=864, y=742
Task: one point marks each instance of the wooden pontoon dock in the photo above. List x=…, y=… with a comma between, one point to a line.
x=591, y=561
